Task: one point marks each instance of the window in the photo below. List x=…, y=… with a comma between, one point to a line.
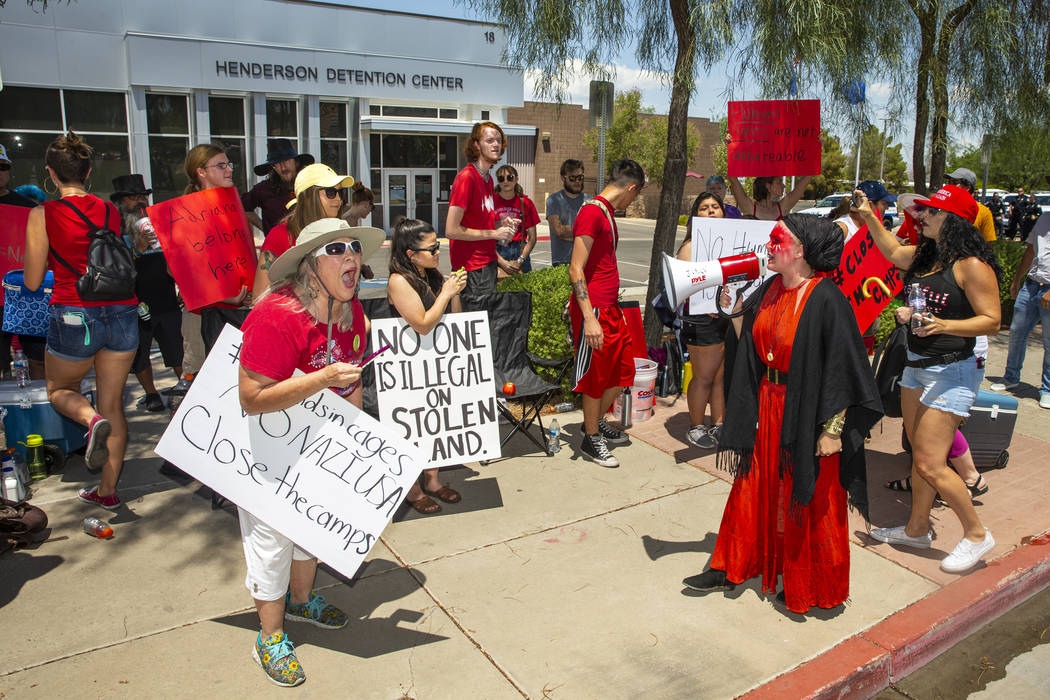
x=31, y=118
x=282, y=119
x=226, y=119
x=449, y=114
x=335, y=149
x=484, y=115
x=168, y=132
x=409, y=151
x=418, y=112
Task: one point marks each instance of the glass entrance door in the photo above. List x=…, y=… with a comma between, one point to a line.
x=409, y=193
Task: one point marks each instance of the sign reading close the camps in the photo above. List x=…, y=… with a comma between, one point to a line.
x=322, y=473
x=438, y=391
x=208, y=244
x=774, y=137
x=12, y=237
x=861, y=260
x=720, y=238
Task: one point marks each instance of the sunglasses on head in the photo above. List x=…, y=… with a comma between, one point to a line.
x=574, y=178
x=433, y=250
x=5, y=167
x=506, y=178
x=333, y=192
x=338, y=249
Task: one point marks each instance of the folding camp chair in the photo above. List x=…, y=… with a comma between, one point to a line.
x=510, y=315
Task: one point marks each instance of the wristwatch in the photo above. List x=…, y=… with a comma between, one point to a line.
x=521, y=259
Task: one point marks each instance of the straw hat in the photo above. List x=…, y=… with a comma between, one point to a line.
x=318, y=234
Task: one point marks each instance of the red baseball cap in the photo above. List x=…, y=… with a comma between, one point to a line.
x=954, y=199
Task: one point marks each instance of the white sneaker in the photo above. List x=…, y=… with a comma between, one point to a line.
x=897, y=535
x=1004, y=386
x=1044, y=401
x=966, y=554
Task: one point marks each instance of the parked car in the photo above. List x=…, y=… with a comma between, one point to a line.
x=824, y=206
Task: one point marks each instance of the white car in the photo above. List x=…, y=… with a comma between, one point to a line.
x=826, y=205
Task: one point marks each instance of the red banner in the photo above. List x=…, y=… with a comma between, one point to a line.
x=12, y=237
x=774, y=137
x=862, y=260
x=208, y=244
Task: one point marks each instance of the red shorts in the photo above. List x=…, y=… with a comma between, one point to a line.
x=613, y=364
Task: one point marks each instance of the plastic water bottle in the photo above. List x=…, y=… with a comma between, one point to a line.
x=12, y=487
x=20, y=369
x=19, y=463
x=917, y=302
x=35, y=457
x=98, y=528
x=563, y=407
x=553, y=437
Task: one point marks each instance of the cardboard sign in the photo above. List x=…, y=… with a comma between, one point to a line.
x=774, y=137
x=208, y=243
x=12, y=237
x=720, y=238
x=322, y=473
x=862, y=259
x=438, y=391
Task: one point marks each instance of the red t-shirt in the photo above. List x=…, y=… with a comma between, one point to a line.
x=278, y=240
x=473, y=193
x=280, y=336
x=68, y=234
x=520, y=207
x=600, y=271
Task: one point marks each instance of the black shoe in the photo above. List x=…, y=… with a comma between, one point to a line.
x=611, y=435
x=152, y=403
x=594, y=448
x=710, y=580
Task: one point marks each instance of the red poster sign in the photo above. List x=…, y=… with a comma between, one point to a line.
x=774, y=137
x=861, y=260
x=12, y=237
x=208, y=244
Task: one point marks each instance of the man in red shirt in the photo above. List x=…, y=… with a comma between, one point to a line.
x=471, y=226
x=604, y=357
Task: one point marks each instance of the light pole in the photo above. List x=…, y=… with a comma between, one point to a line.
x=882, y=158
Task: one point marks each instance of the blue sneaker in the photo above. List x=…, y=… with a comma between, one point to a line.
x=315, y=611
x=277, y=657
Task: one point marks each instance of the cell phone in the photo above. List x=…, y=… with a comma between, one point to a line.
x=856, y=199
x=364, y=362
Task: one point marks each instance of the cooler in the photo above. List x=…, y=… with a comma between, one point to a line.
x=40, y=417
x=990, y=428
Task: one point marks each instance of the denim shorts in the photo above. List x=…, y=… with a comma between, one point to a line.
x=950, y=388
x=77, y=333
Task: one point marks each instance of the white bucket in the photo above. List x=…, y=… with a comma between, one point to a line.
x=643, y=390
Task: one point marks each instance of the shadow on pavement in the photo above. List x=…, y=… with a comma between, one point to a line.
x=18, y=568
x=656, y=548
x=477, y=494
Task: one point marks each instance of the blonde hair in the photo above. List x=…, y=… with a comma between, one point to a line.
x=302, y=286
x=197, y=158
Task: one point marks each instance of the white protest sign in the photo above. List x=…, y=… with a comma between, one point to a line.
x=438, y=391
x=322, y=473
x=720, y=238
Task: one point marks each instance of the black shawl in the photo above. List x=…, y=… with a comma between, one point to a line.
x=829, y=372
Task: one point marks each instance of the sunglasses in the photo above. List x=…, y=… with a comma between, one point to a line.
x=433, y=250
x=506, y=178
x=574, y=178
x=333, y=192
x=338, y=249
x=4, y=167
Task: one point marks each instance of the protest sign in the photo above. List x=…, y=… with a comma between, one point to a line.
x=438, y=391
x=322, y=473
x=208, y=244
x=720, y=238
x=12, y=237
x=774, y=137
x=861, y=259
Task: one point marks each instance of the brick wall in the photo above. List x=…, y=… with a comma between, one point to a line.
x=567, y=124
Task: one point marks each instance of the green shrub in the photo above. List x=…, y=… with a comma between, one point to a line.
x=549, y=332
x=886, y=322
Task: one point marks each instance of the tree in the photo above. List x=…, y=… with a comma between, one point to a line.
x=638, y=134
x=832, y=168
x=672, y=38
x=1020, y=158
x=877, y=152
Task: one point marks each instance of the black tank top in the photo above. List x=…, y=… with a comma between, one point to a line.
x=944, y=299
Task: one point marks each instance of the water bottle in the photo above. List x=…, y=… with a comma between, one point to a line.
x=563, y=407
x=35, y=457
x=98, y=528
x=11, y=485
x=553, y=437
x=20, y=369
x=145, y=226
x=19, y=463
x=917, y=302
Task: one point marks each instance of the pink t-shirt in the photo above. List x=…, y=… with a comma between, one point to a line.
x=281, y=337
x=520, y=207
x=473, y=194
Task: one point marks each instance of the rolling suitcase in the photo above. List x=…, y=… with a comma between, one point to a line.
x=990, y=428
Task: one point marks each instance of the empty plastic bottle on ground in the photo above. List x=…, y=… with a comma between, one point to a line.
x=98, y=528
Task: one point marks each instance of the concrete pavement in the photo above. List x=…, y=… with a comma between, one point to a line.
x=552, y=578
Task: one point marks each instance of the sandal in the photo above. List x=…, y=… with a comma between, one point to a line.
x=899, y=484
x=979, y=487
x=425, y=505
x=445, y=494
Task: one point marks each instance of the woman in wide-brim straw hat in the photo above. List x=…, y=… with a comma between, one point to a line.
x=310, y=320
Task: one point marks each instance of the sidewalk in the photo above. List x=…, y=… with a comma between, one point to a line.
x=552, y=578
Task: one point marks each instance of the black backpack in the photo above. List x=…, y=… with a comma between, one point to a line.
x=110, y=272
x=889, y=365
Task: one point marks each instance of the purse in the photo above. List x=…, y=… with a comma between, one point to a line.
x=26, y=312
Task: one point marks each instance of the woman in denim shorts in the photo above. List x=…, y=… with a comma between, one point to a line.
x=82, y=334
x=956, y=272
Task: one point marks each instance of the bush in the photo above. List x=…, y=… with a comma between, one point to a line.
x=549, y=332
x=886, y=322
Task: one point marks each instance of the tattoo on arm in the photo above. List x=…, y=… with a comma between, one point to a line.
x=581, y=289
x=266, y=259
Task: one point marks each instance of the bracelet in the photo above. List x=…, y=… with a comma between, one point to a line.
x=521, y=259
x=834, y=425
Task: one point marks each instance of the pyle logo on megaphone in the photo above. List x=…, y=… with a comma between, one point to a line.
x=684, y=278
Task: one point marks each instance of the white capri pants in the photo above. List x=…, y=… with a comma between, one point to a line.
x=269, y=556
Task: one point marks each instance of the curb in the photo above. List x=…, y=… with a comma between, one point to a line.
x=868, y=662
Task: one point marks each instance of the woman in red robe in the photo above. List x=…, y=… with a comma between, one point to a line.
x=801, y=374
